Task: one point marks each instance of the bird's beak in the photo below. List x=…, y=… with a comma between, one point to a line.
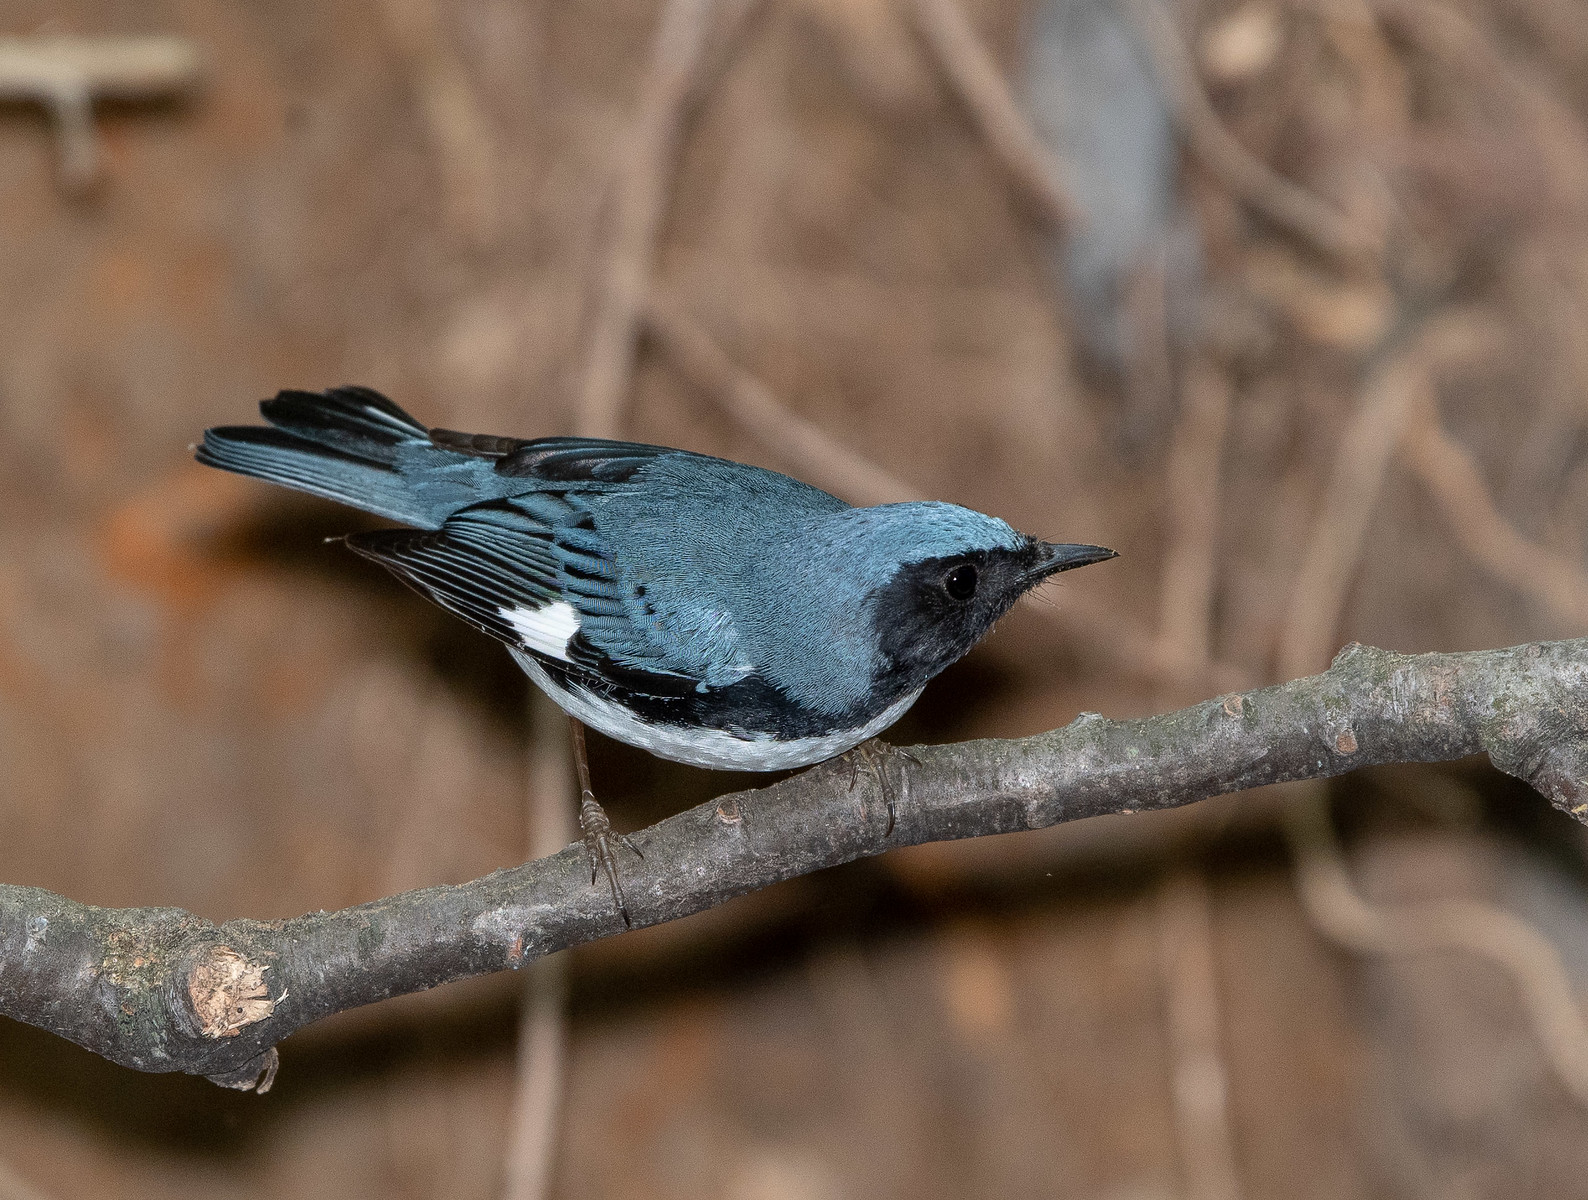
x=1056, y=557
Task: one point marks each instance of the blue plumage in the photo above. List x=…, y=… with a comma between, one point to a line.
x=355, y=446
x=709, y=611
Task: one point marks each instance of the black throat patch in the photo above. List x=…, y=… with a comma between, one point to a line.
x=921, y=625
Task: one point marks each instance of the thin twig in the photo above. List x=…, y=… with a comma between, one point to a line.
x=542, y=1029
x=647, y=158
x=980, y=85
x=1285, y=203
x=160, y=989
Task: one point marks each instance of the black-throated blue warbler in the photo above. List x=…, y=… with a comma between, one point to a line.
x=710, y=612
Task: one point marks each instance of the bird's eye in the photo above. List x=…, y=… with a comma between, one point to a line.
x=960, y=583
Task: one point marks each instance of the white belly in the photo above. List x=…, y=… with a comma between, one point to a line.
x=707, y=747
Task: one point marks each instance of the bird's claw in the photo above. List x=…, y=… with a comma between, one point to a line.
x=874, y=754
x=600, y=842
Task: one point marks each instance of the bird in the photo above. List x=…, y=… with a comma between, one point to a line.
x=707, y=611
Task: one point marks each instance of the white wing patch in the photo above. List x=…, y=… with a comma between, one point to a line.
x=546, y=630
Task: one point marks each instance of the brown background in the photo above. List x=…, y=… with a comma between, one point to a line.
x=201, y=704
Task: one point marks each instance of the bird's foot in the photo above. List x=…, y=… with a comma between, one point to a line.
x=601, y=843
x=873, y=754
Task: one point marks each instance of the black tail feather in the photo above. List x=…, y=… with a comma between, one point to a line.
x=346, y=444
x=355, y=420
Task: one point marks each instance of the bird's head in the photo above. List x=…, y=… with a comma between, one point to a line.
x=941, y=576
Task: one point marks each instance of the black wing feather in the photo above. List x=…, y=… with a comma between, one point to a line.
x=481, y=561
x=579, y=460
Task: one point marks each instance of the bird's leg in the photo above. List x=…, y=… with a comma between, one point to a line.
x=873, y=754
x=596, y=826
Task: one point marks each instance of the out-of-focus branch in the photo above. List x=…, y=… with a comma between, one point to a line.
x=807, y=451
x=67, y=74
x=1198, y=1082
x=543, y=1026
x=453, y=117
x=1455, y=482
x=1185, y=611
x=677, y=70
x=1199, y=1085
x=1485, y=930
x=1403, y=393
x=1286, y=204
x=1558, y=131
x=1389, y=398
x=801, y=446
x=982, y=88
x=1107, y=637
x=646, y=159
x=160, y=989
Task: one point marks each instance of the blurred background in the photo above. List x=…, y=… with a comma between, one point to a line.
x=1284, y=299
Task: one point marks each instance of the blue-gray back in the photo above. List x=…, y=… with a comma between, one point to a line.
x=686, y=567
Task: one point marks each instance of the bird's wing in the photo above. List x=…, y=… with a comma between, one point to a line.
x=557, y=460
x=533, y=571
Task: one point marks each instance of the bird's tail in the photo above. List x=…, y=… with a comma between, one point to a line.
x=348, y=444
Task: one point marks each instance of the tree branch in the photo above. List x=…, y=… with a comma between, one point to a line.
x=160, y=989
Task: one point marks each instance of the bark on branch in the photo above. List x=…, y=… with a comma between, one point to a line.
x=161, y=989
